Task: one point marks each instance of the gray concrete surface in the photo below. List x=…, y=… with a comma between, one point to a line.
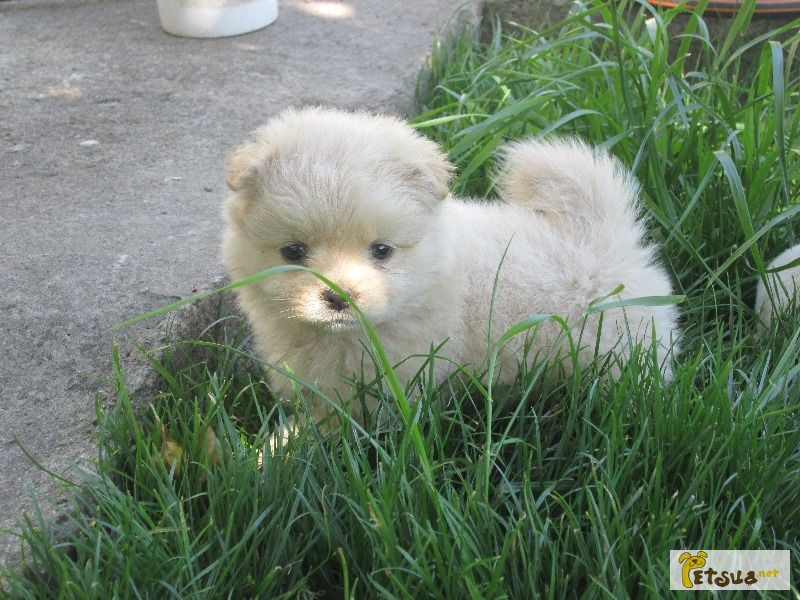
x=112, y=136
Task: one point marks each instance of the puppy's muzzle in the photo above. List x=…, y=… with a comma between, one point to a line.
x=334, y=301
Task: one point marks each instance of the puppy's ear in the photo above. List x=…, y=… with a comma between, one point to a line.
x=426, y=167
x=434, y=179
x=242, y=163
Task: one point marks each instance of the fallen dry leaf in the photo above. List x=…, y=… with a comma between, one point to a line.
x=213, y=447
x=171, y=451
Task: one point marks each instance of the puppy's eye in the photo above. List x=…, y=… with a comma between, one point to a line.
x=294, y=252
x=380, y=251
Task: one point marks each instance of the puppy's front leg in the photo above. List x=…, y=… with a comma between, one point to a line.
x=321, y=415
x=281, y=436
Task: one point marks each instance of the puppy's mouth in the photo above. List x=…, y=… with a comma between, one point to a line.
x=324, y=319
x=338, y=320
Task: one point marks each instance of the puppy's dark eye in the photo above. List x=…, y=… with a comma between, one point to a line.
x=380, y=251
x=294, y=252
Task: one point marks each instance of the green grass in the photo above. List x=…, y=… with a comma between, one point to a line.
x=578, y=487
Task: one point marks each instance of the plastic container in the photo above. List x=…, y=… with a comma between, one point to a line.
x=765, y=8
x=215, y=18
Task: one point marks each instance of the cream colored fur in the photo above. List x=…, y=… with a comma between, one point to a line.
x=340, y=181
x=784, y=286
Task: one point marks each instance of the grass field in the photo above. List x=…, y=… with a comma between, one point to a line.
x=577, y=488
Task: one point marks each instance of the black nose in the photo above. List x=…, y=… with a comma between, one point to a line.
x=334, y=300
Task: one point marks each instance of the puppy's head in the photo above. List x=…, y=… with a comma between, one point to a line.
x=352, y=196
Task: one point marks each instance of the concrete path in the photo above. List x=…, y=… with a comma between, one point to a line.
x=112, y=137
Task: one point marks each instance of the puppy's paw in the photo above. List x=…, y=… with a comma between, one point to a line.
x=282, y=437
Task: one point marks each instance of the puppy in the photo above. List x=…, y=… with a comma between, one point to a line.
x=363, y=199
x=784, y=287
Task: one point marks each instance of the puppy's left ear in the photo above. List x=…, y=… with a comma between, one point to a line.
x=243, y=162
x=427, y=167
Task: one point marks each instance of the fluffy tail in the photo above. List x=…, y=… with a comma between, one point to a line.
x=582, y=191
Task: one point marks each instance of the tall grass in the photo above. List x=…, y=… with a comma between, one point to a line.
x=578, y=487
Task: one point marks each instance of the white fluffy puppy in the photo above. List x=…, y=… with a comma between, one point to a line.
x=363, y=199
x=784, y=286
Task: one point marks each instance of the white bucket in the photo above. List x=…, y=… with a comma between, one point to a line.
x=215, y=18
